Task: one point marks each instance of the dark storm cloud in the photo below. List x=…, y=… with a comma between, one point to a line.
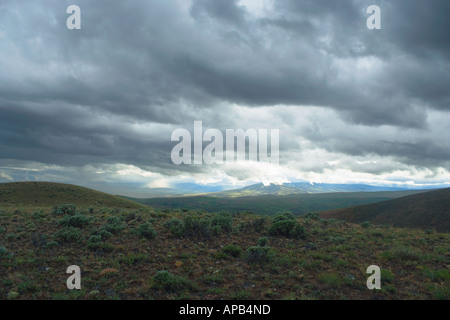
x=73, y=97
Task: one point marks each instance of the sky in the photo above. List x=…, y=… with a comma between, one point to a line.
x=97, y=106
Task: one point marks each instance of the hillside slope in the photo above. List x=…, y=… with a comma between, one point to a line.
x=270, y=204
x=425, y=210
x=49, y=194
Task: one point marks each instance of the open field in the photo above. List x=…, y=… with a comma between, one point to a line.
x=147, y=253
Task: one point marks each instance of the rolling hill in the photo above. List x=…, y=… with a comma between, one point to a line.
x=270, y=204
x=299, y=188
x=49, y=194
x=425, y=210
x=141, y=253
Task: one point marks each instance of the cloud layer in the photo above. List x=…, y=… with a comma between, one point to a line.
x=370, y=105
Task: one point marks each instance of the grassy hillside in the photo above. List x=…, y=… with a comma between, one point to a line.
x=148, y=254
x=425, y=210
x=48, y=194
x=270, y=204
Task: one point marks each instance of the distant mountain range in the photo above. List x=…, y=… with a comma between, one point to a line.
x=425, y=210
x=300, y=188
x=188, y=189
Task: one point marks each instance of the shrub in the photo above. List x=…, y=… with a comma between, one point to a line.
x=257, y=225
x=387, y=276
x=284, y=224
x=130, y=216
x=69, y=209
x=176, y=227
x=106, y=247
x=241, y=295
x=105, y=234
x=3, y=252
x=298, y=232
x=114, y=225
x=283, y=216
x=222, y=222
x=77, y=221
x=145, y=230
x=197, y=227
x=262, y=242
x=68, y=234
x=441, y=293
x=331, y=279
x=163, y=280
x=12, y=236
x=94, y=242
x=232, y=250
x=94, y=239
x=312, y=216
x=259, y=255
x=365, y=224
x=51, y=244
x=38, y=214
x=282, y=228
x=2, y=230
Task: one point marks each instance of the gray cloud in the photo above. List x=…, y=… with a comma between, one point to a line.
x=114, y=91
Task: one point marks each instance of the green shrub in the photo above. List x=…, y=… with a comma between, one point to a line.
x=298, y=232
x=94, y=242
x=241, y=295
x=12, y=237
x=68, y=234
x=145, y=230
x=197, y=227
x=257, y=225
x=387, y=276
x=106, y=247
x=283, y=216
x=282, y=228
x=3, y=252
x=176, y=227
x=331, y=279
x=38, y=214
x=232, y=250
x=163, y=280
x=105, y=234
x=284, y=224
x=312, y=216
x=94, y=239
x=365, y=224
x=51, y=244
x=259, y=255
x=262, y=242
x=78, y=221
x=69, y=209
x=130, y=216
x=441, y=293
x=223, y=222
x=114, y=225
x=2, y=230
